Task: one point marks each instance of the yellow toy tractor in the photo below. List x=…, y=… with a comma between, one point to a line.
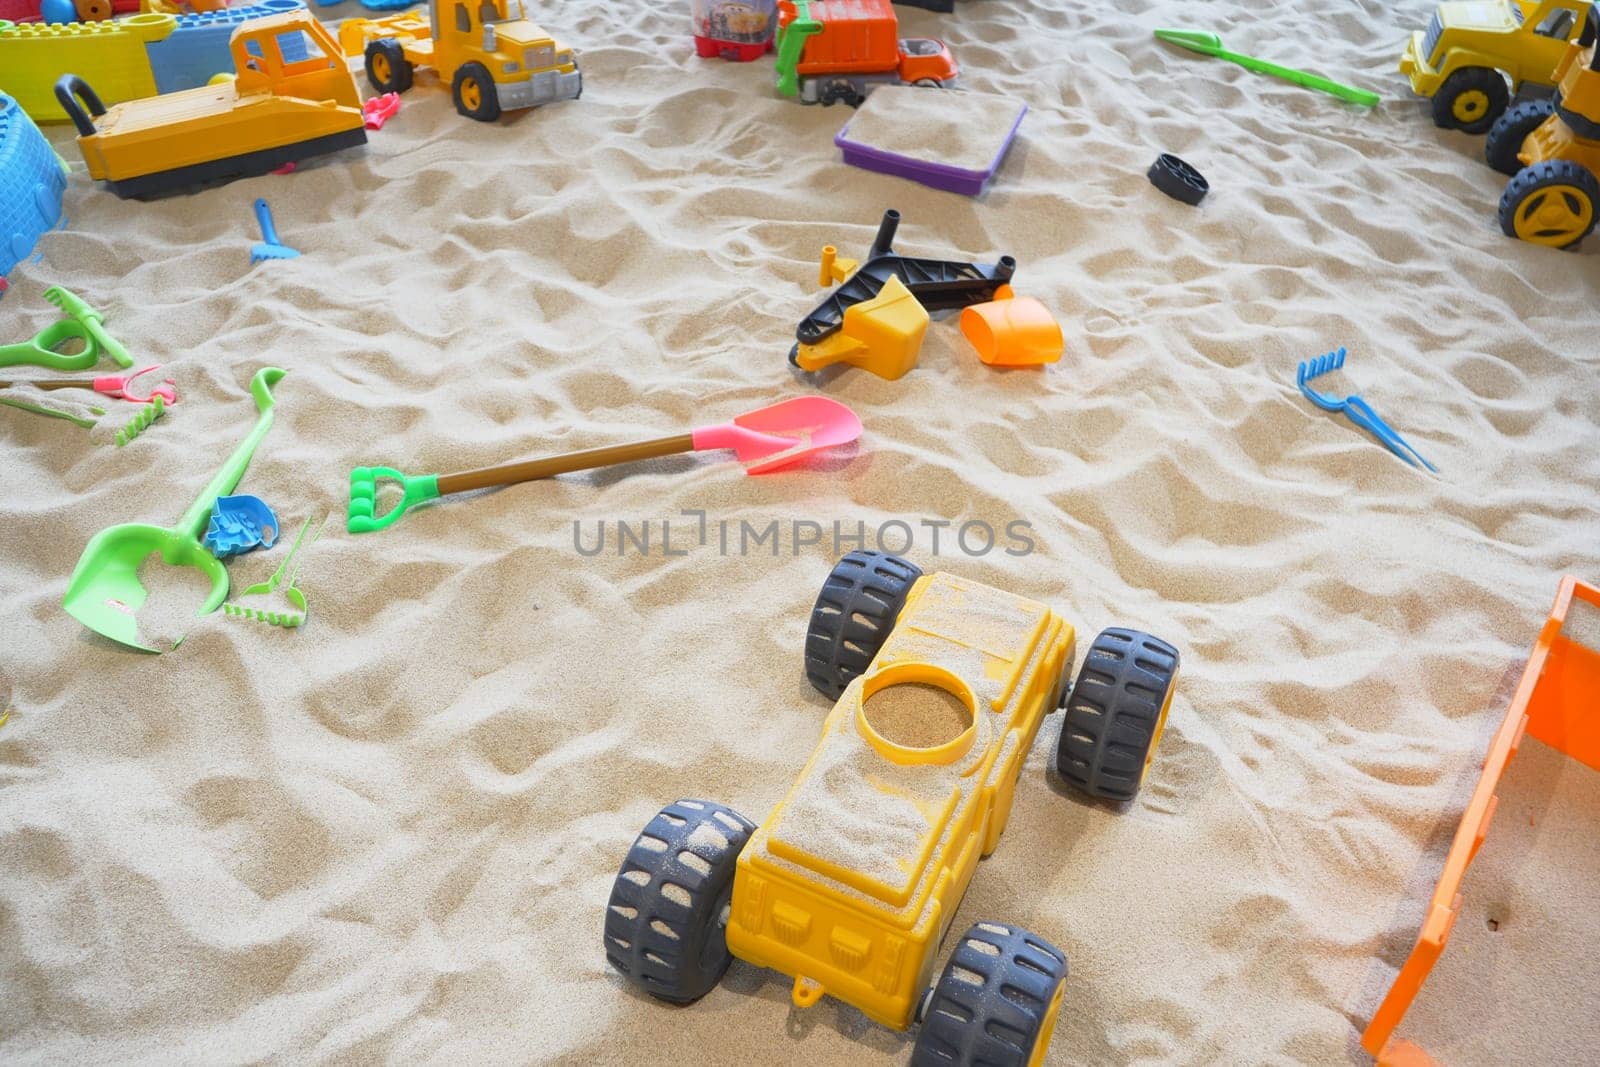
x=1552, y=147
x=1472, y=47
x=853, y=881
x=494, y=58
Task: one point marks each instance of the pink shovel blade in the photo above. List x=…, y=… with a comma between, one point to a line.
x=782, y=434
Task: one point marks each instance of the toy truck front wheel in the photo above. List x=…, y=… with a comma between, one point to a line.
x=474, y=92
x=1116, y=713
x=1553, y=203
x=1470, y=100
x=996, y=1002
x=387, y=67
x=666, y=923
x=854, y=612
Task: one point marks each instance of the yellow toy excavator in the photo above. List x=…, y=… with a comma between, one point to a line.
x=493, y=57
x=1552, y=147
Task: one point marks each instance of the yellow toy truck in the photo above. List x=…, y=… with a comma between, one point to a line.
x=493, y=57
x=1471, y=47
x=275, y=111
x=1552, y=150
x=853, y=880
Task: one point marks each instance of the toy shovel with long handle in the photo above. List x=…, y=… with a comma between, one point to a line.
x=1209, y=44
x=765, y=440
x=104, y=592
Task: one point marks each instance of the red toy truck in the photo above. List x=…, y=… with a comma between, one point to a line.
x=838, y=50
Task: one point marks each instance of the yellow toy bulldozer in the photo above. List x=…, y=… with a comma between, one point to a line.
x=1552, y=147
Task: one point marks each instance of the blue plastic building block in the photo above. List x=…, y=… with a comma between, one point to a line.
x=238, y=524
x=32, y=179
x=198, y=49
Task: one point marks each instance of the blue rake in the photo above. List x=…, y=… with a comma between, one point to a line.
x=1355, y=408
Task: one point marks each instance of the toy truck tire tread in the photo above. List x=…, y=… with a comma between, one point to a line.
x=1113, y=716
x=994, y=1001
x=853, y=615
x=665, y=928
x=1491, y=83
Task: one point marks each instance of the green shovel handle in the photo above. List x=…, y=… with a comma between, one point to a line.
x=194, y=520
x=1300, y=77
x=363, y=516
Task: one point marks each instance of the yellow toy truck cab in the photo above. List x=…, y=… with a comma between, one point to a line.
x=1552, y=150
x=493, y=57
x=853, y=880
x=275, y=111
x=1470, y=48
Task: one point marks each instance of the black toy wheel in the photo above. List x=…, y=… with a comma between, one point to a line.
x=474, y=93
x=1177, y=179
x=996, y=1002
x=666, y=924
x=853, y=615
x=1116, y=713
x=1551, y=203
x=1511, y=129
x=387, y=67
x=1470, y=100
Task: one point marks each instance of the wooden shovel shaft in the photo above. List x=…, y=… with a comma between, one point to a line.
x=512, y=473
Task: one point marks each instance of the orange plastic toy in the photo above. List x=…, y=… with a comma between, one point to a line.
x=1013, y=331
x=838, y=50
x=1556, y=702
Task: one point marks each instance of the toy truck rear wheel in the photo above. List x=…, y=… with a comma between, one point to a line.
x=666, y=924
x=1116, y=713
x=996, y=1002
x=1470, y=100
x=1511, y=129
x=474, y=93
x=853, y=615
x=387, y=67
x=1551, y=203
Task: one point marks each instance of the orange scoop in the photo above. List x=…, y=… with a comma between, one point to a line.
x=1013, y=331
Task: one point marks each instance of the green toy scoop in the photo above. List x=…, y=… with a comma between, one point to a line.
x=104, y=592
x=1209, y=44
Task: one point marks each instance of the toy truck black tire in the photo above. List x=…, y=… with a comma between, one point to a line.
x=854, y=612
x=387, y=67
x=994, y=1003
x=666, y=923
x=1552, y=177
x=1114, y=716
x=487, y=106
x=1462, y=87
x=1511, y=129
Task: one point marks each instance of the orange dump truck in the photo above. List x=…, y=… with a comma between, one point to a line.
x=838, y=50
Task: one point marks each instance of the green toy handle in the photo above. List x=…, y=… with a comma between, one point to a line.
x=1300, y=77
x=363, y=516
x=1209, y=44
x=194, y=520
x=791, y=43
x=92, y=320
x=40, y=351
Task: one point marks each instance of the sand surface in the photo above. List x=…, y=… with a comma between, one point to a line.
x=390, y=835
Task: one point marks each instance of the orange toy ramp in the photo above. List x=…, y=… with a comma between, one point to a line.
x=1558, y=702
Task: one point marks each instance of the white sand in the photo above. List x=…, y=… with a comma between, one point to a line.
x=391, y=835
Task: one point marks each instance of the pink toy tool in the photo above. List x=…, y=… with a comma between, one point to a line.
x=117, y=386
x=764, y=440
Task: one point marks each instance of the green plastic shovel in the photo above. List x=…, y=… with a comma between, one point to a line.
x=1209, y=44
x=104, y=592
